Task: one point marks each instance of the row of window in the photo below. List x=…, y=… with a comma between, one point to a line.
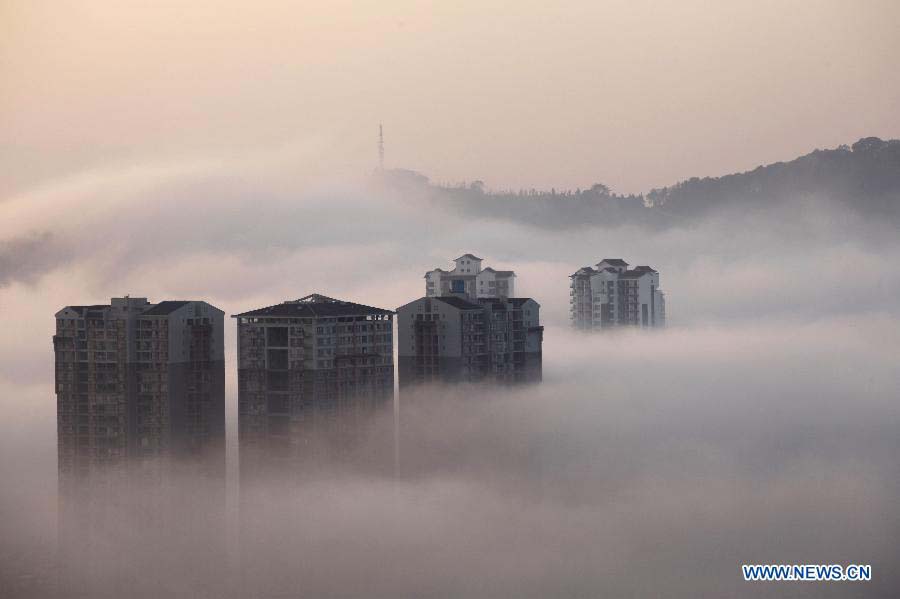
x=349, y=340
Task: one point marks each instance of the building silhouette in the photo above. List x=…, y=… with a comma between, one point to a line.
x=470, y=281
x=140, y=391
x=448, y=339
x=138, y=380
x=311, y=372
x=315, y=392
x=612, y=295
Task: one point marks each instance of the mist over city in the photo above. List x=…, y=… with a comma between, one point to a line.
x=241, y=158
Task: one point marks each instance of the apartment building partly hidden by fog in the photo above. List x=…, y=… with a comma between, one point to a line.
x=309, y=370
x=469, y=328
x=138, y=380
x=468, y=280
x=140, y=391
x=612, y=295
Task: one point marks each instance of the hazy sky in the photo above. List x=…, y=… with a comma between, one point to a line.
x=634, y=94
x=212, y=150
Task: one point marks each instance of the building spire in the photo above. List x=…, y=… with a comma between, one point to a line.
x=380, y=147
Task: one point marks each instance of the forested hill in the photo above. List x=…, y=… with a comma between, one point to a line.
x=864, y=177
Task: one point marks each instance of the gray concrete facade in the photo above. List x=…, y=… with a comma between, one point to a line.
x=449, y=339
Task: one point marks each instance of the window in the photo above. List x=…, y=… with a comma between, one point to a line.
x=277, y=380
x=277, y=403
x=278, y=336
x=277, y=359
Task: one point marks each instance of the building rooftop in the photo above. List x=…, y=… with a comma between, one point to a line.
x=469, y=256
x=147, y=309
x=315, y=306
x=82, y=309
x=635, y=274
x=497, y=303
x=163, y=308
x=457, y=302
x=518, y=301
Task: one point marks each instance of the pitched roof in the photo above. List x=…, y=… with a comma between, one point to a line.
x=634, y=274
x=457, y=302
x=518, y=301
x=647, y=268
x=498, y=301
x=163, y=308
x=315, y=306
x=315, y=298
x=470, y=256
x=81, y=309
x=614, y=261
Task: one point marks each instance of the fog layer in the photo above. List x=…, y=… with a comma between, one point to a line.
x=760, y=427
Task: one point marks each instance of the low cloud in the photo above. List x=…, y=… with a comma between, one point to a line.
x=26, y=258
x=760, y=427
x=644, y=464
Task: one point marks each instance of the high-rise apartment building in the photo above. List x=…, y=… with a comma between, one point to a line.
x=469, y=281
x=140, y=391
x=315, y=366
x=315, y=388
x=135, y=379
x=452, y=339
x=613, y=295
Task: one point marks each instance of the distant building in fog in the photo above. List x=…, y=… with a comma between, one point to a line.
x=135, y=379
x=310, y=366
x=468, y=280
x=452, y=339
x=613, y=295
x=315, y=382
x=140, y=391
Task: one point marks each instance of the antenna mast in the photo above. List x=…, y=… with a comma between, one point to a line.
x=380, y=147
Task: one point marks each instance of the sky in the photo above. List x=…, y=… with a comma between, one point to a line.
x=760, y=426
x=220, y=151
x=519, y=94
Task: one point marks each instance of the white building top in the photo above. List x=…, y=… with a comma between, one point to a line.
x=469, y=280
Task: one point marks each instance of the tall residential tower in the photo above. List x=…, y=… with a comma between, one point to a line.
x=469, y=281
x=135, y=379
x=613, y=295
x=449, y=339
x=469, y=327
x=140, y=392
x=311, y=369
x=315, y=391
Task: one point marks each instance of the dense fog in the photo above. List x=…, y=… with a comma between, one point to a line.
x=759, y=427
x=225, y=151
